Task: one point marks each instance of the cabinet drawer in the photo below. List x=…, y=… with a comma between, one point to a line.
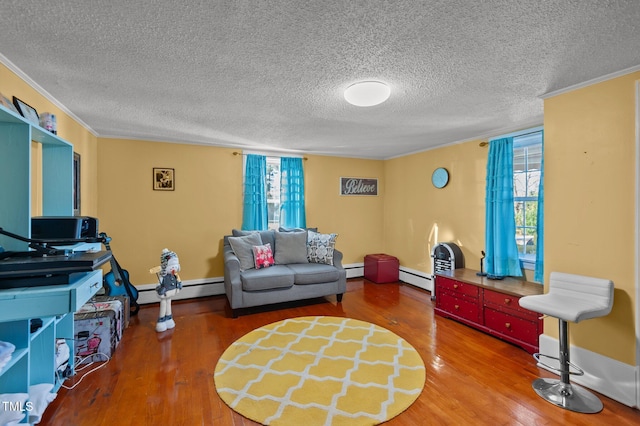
x=459, y=306
x=508, y=304
x=457, y=286
x=84, y=290
x=51, y=300
x=32, y=305
x=512, y=327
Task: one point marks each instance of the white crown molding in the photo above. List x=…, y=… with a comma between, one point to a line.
x=590, y=82
x=17, y=71
x=271, y=153
x=512, y=130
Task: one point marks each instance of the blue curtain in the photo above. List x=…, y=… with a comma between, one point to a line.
x=292, y=210
x=254, y=210
x=500, y=231
x=539, y=271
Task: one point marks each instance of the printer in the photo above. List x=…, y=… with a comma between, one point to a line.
x=64, y=228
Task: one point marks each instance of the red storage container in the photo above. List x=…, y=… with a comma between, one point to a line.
x=381, y=268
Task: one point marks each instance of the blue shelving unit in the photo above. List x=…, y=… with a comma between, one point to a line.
x=33, y=361
x=16, y=136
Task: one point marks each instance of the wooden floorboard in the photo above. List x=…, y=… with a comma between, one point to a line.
x=167, y=378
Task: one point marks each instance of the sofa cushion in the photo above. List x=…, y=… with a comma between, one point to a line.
x=243, y=248
x=313, y=273
x=291, y=247
x=320, y=247
x=277, y=276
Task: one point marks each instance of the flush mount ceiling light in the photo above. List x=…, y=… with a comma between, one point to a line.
x=367, y=93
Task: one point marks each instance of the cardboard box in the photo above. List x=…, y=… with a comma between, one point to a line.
x=98, y=329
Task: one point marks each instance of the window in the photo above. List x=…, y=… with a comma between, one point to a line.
x=273, y=192
x=527, y=170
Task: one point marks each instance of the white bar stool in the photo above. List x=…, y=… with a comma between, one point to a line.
x=571, y=298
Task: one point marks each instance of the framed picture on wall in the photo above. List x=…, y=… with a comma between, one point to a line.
x=163, y=179
x=76, y=184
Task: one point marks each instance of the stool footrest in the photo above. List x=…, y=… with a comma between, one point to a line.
x=577, y=370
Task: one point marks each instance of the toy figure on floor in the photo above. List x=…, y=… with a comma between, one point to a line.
x=169, y=286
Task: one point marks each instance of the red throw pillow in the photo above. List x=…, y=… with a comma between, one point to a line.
x=263, y=256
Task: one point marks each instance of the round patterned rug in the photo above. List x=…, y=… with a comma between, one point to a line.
x=320, y=371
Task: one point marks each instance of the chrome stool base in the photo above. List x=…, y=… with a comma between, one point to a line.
x=569, y=396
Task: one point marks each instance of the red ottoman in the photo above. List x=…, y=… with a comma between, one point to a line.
x=381, y=268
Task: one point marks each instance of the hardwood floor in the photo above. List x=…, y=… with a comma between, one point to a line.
x=167, y=378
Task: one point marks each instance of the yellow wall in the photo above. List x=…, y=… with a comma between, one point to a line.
x=207, y=204
x=356, y=219
x=589, y=204
x=418, y=215
x=590, y=198
x=191, y=220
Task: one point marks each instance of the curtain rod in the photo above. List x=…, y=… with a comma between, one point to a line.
x=240, y=153
x=485, y=143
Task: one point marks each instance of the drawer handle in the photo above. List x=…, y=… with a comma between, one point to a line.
x=507, y=325
x=507, y=301
x=94, y=285
x=455, y=286
x=456, y=307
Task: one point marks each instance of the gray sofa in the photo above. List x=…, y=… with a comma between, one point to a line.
x=300, y=270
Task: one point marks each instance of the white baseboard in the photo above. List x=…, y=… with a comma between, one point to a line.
x=190, y=289
x=416, y=278
x=354, y=270
x=410, y=276
x=602, y=374
x=215, y=286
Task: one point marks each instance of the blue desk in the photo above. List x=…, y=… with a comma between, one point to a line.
x=33, y=361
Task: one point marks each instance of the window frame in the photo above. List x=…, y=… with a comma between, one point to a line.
x=520, y=140
x=273, y=203
x=526, y=261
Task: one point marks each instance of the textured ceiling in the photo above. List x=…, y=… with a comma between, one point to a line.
x=269, y=75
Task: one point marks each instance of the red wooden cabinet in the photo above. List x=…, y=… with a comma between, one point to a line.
x=490, y=306
x=460, y=299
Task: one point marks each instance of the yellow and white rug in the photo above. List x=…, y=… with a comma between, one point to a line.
x=320, y=371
